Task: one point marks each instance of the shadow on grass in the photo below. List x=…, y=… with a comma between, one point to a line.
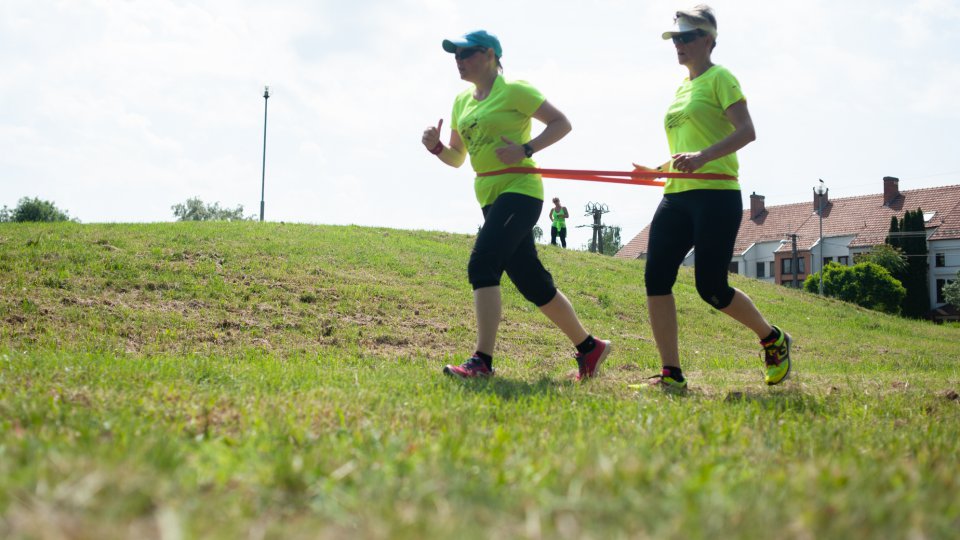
x=779, y=399
x=512, y=388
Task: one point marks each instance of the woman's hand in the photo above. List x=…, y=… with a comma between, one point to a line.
x=431, y=136
x=689, y=162
x=511, y=153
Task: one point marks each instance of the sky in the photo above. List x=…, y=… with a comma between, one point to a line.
x=116, y=110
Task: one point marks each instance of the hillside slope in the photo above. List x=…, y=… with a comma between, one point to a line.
x=248, y=380
x=299, y=290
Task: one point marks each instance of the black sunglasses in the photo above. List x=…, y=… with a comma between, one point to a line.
x=687, y=37
x=463, y=54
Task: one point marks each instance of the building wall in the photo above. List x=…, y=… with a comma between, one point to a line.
x=761, y=252
x=834, y=248
x=950, y=251
x=787, y=278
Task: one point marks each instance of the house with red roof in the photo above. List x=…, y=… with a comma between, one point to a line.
x=783, y=244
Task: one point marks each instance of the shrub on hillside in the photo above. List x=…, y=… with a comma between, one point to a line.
x=611, y=241
x=195, y=210
x=865, y=284
x=33, y=210
x=537, y=233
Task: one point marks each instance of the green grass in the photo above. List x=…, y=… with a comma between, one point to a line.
x=234, y=380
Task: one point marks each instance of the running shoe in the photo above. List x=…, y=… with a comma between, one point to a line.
x=588, y=363
x=667, y=383
x=776, y=354
x=472, y=368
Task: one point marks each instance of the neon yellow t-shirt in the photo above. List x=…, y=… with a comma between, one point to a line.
x=559, y=221
x=696, y=120
x=505, y=112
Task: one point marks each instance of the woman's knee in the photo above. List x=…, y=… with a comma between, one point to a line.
x=659, y=281
x=539, y=294
x=534, y=282
x=482, y=272
x=718, y=295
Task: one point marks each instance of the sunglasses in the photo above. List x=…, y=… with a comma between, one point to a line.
x=687, y=37
x=463, y=54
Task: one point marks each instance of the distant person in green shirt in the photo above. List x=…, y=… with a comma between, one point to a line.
x=491, y=123
x=558, y=215
x=706, y=124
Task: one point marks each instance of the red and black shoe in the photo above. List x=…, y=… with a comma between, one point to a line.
x=590, y=362
x=472, y=368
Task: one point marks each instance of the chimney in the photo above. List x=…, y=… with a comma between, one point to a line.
x=816, y=200
x=891, y=189
x=756, y=205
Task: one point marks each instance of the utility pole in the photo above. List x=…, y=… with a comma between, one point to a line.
x=821, y=191
x=793, y=265
x=596, y=210
x=263, y=171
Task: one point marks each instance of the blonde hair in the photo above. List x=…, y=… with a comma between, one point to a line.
x=700, y=13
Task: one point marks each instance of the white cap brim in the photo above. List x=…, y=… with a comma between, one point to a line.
x=683, y=25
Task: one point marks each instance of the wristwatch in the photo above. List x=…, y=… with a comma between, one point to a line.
x=527, y=149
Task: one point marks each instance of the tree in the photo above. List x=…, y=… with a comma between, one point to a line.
x=195, y=210
x=611, y=242
x=33, y=210
x=537, y=233
x=909, y=234
x=865, y=284
x=886, y=256
x=951, y=292
x=894, y=237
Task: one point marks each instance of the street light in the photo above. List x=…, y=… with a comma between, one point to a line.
x=263, y=172
x=821, y=191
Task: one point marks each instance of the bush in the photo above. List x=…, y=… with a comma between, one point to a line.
x=195, y=210
x=865, y=284
x=537, y=233
x=611, y=241
x=951, y=292
x=886, y=256
x=33, y=210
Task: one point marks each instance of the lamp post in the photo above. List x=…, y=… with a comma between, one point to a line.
x=821, y=191
x=263, y=171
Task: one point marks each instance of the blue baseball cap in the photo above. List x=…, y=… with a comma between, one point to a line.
x=479, y=38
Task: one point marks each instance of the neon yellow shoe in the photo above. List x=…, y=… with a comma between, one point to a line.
x=667, y=383
x=777, y=357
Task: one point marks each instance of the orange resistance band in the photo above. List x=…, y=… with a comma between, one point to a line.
x=637, y=178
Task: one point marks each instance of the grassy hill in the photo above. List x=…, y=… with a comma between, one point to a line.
x=283, y=381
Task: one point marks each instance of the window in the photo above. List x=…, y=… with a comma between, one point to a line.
x=773, y=268
x=844, y=260
x=734, y=267
x=941, y=260
x=761, y=268
x=827, y=260
x=941, y=283
x=787, y=265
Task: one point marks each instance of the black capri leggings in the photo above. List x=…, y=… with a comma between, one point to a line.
x=505, y=242
x=706, y=220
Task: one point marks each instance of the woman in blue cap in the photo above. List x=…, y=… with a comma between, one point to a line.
x=706, y=124
x=491, y=123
